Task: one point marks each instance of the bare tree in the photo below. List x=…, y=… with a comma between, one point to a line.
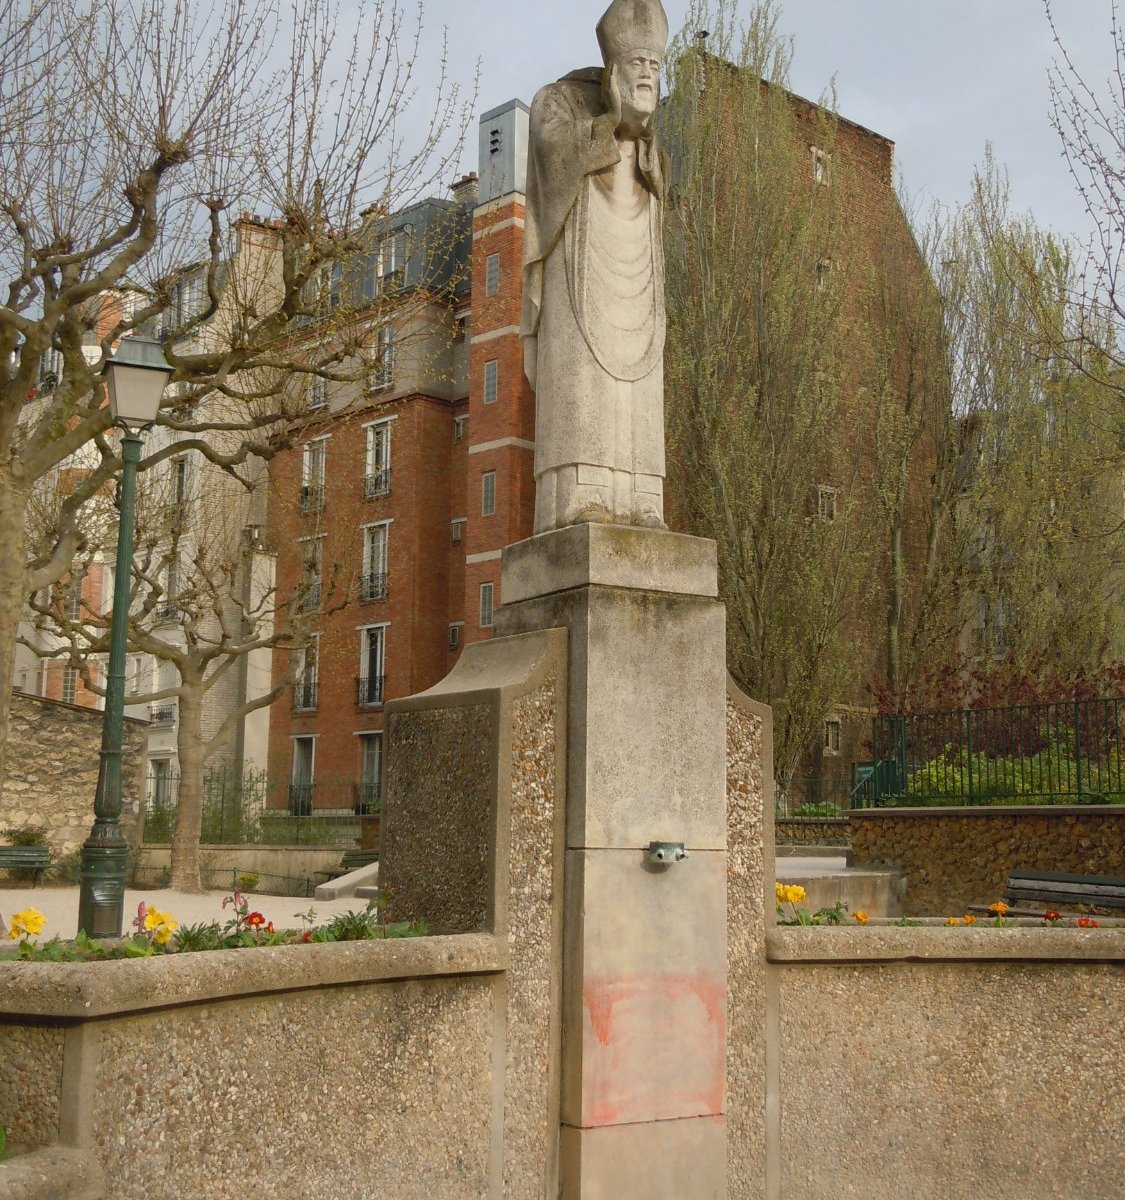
x=134, y=136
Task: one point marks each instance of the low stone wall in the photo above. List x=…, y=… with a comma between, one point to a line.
x=288, y=862
x=52, y=771
x=811, y=831
x=954, y=857
x=991, y=1067
x=364, y=1069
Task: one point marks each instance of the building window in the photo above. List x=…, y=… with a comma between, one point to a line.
x=161, y=782
x=832, y=736
x=455, y=628
x=372, y=654
x=313, y=456
x=381, y=368
x=459, y=424
x=180, y=480
x=370, y=773
x=301, y=778
x=823, y=273
x=169, y=607
x=72, y=601
x=490, y=377
x=492, y=274
x=69, y=684
x=826, y=503
x=456, y=530
x=313, y=551
x=318, y=393
x=373, y=581
x=304, y=690
x=487, y=493
x=486, y=593
x=392, y=260
x=821, y=166
x=377, y=463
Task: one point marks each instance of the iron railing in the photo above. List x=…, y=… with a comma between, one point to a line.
x=304, y=695
x=366, y=794
x=377, y=483
x=373, y=585
x=1069, y=752
x=258, y=809
x=161, y=715
x=312, y=497
x=369, y=691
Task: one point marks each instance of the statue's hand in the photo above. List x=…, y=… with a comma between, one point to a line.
x=611, y=94
x=531, y=360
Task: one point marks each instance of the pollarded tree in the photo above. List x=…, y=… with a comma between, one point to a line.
x=768, y=286
x=135, y=136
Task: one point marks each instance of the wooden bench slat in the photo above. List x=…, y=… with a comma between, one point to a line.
x=1062, y=877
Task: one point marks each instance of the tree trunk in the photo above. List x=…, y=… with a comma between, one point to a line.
x=13, y=594
x=189, y=808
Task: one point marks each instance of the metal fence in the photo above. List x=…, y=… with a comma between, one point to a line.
x=1068, y=752
x=257, y=809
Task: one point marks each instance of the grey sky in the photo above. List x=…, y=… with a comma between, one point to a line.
x=939, y=77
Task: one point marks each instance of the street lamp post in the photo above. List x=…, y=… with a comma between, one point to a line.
x=136, y=376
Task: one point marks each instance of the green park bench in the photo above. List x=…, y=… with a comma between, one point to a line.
x=1057, y=890
x=26, y=858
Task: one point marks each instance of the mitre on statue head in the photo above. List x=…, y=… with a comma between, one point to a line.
x=632, y=25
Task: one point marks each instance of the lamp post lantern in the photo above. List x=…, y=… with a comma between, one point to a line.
x=136, y=376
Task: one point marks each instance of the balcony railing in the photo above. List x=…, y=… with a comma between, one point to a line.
x=366, y=797
x=373, y=585
x=161, y=714
x=300, y=799
x=377, y=483
x=311, y=599
x=304, y=695
x=369, y=691
x=312, y=497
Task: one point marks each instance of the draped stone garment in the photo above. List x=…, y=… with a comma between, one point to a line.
x=594, y=297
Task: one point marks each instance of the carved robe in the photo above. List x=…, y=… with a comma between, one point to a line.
x=594, y=297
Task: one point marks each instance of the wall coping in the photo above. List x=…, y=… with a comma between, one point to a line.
x=991, y=810
x=795, y=944
x=67, y=992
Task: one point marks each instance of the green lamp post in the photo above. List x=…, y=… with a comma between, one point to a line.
x=136, y=376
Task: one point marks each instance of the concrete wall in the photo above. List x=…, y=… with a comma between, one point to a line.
x=954, y=857
x=52, y=771
x=992, y=1067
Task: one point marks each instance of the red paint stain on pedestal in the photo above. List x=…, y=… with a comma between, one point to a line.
x=654, y=1047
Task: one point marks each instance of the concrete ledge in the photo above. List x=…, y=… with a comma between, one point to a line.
x=52, y=1173
x=76, y=991
x=622, y=556
x=850, y=944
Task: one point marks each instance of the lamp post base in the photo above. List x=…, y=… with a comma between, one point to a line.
x=101, y=896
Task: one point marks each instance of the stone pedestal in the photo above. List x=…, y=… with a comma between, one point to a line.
x=644, y=945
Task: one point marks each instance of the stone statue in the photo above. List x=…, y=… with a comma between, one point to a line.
x=593, y=294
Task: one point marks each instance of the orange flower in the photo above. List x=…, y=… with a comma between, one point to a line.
x=1087, y=923
x=860, y=916
x=953, y=920
x=999, y=908
x=969, y=919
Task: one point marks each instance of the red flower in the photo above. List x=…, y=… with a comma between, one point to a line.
x=269, y=928
x=306, y=936
x=1052, y=915
x=255, y=920
x=1087, y=923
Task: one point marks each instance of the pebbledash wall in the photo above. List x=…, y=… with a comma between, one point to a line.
x=954, y=857
x=52, y=771
x=934, y=1062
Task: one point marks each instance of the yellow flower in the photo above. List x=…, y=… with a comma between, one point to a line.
x=953, y=920
x=789, y=893
x=860, y=916
x=27, y=923
x=969, y=919
x=161, y=925
x=999, y=908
